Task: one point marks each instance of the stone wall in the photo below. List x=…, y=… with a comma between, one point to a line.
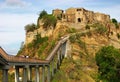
x=57, y=13
x=81, y=15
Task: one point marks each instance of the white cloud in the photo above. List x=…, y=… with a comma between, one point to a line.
x=14, y=4
x=56, y=3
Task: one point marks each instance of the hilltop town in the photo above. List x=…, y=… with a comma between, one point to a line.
x=72, y=17
x=88, y=32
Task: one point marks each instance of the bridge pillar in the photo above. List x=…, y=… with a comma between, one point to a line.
x=37, y=74
x=52, y=67
x=16, y=74
x=67, y=49
x=48, y=74
x=5, y=73
x=25, y=74
x=58, y=61
x=61, y=57
x=29, y=73
x=62, y=51
x=43, y=73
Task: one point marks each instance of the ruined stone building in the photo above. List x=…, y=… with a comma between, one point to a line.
x=80, y=15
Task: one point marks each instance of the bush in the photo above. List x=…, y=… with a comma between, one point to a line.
x=42, y=14
x=49, y=20
x=108, y=61
x=87, y=27
x=42, y=48
x=101, y=29
x=118, y=35
x=114, y=20
x=115, y=23
x=72, y=38
x=30, y=27
x=40, y=40
x=71, y=30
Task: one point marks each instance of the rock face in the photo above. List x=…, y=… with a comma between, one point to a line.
x=30, y=36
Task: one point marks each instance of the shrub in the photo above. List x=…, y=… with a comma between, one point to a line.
x=115, y=23
x=49, y=20
x=114, y=20
x=108, y=59
x=87, y=27
x=72, y=38
x=42, y=14
x=30, y=27
x=101, y=29
x=40, y=40
x=118, y=35
x=71, y=30
x=89, y=34
x=42, y=48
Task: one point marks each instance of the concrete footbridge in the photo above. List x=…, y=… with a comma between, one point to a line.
x=44, y=69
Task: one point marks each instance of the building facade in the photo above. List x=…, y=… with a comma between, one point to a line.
x=80, y=15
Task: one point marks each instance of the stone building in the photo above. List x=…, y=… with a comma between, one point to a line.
x=58, y=13
x=72, y=17
x=80, y=15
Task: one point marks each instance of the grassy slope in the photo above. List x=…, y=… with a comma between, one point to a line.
x=81, y=67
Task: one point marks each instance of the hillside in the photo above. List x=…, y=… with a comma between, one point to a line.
x=86, y=38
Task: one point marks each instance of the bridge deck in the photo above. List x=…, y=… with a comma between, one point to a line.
x=16, y=59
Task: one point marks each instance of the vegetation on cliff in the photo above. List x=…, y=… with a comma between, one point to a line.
x=48, y=19
x=108, y=61
x=30, y=27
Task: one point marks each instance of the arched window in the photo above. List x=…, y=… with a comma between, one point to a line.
x=79, y=20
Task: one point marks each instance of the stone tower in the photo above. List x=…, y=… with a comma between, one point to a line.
x=58, y=13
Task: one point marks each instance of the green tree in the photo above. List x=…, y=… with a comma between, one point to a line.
x=108, y=61
x=115, y=23
x=41, y=15
x=30, y=27
x=114, y=20
x=49, y=20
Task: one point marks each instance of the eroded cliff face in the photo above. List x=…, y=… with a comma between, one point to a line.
x=30, y=36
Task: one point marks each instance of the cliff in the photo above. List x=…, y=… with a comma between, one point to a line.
x=81, y=65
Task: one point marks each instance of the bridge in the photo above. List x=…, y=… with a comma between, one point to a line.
x=44, y=68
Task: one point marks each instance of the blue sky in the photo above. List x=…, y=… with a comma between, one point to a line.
x=15, y=14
